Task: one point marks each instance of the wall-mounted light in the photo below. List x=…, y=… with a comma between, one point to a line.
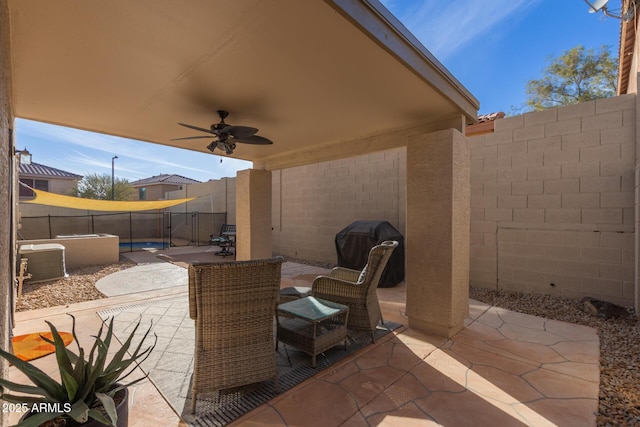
x=24, y=157
x=601, y=6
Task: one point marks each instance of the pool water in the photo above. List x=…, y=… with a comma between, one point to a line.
x=144, y=245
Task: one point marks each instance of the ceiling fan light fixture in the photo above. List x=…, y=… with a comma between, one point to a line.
x=227, y=135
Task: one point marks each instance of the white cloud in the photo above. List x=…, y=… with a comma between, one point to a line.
x=443, y=27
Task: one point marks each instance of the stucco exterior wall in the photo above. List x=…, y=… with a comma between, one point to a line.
x=157, y=191
x=312, y=203
x=214, y=196
x=552, y=202
x=7, y=232
x=62, y=186
x=84, y=251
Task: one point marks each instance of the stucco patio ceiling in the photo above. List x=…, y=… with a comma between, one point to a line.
x=307, y=73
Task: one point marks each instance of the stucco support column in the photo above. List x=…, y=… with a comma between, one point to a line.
x=7, y=238
x=438, y=228
x=253, y=214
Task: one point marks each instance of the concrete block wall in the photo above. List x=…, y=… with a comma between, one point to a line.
x=552, y=202
x=312, y=203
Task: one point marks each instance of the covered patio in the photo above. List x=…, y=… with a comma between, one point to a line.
x=324, y=80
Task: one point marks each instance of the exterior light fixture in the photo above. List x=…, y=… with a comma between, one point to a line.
x=24, y=157
x=601, y=6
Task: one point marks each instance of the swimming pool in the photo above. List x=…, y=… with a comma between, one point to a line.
x=144, y=245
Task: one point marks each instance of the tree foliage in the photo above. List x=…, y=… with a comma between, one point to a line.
x=576, y=76
x=94, y=186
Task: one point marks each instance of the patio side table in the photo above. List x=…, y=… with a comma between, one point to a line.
x=312, y=325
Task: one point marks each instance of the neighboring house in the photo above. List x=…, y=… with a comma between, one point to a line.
x=154, y=188
x=42, y=177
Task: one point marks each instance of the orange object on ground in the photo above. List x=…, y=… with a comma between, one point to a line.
x=32, y=346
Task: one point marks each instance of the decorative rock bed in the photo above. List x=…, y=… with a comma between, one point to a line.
x=78, y=287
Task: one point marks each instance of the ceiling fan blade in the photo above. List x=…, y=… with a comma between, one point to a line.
x=197, y=128
x=239, y=131
x=254, y=139
x=192, y=137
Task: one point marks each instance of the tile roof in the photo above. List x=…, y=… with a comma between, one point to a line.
x=39, y=170
x=490, y=117
x=164, y=179
x=484, y=124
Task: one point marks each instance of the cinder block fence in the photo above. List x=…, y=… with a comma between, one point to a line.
x=553, y=205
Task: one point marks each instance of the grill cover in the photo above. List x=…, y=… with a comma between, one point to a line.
x=354, y=242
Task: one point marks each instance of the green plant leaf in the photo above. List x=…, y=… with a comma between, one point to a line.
x=70, y=384
x=96, y=370
x=39, y=378
x=79, y=411
x=129, y=384
x=121, y=375
x=70, y=354
x=20, y=398
x=61, y=355
x=117, y=368
x=118, y=373
x=109, y=335
x=117, y=358
x=109, y=406
x=94, y=347
x=79, y=369
x=23, y=388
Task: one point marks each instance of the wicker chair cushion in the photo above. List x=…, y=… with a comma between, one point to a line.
x=363, y=275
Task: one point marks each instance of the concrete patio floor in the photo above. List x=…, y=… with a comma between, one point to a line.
x=504, y=368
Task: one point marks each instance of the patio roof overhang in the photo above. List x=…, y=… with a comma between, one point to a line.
x=311, y=75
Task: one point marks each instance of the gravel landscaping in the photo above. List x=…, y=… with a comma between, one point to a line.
x=78, y=287
x=619, y=337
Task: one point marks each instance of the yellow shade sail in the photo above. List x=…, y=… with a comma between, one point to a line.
x=51, y=199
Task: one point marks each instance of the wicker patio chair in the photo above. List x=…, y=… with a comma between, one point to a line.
x=233, y=305
x=357, y=289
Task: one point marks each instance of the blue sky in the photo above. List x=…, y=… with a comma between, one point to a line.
x=492, y=47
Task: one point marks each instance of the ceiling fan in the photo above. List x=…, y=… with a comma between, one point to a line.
x=226, y=135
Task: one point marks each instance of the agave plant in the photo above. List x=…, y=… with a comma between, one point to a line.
x=87, y=385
